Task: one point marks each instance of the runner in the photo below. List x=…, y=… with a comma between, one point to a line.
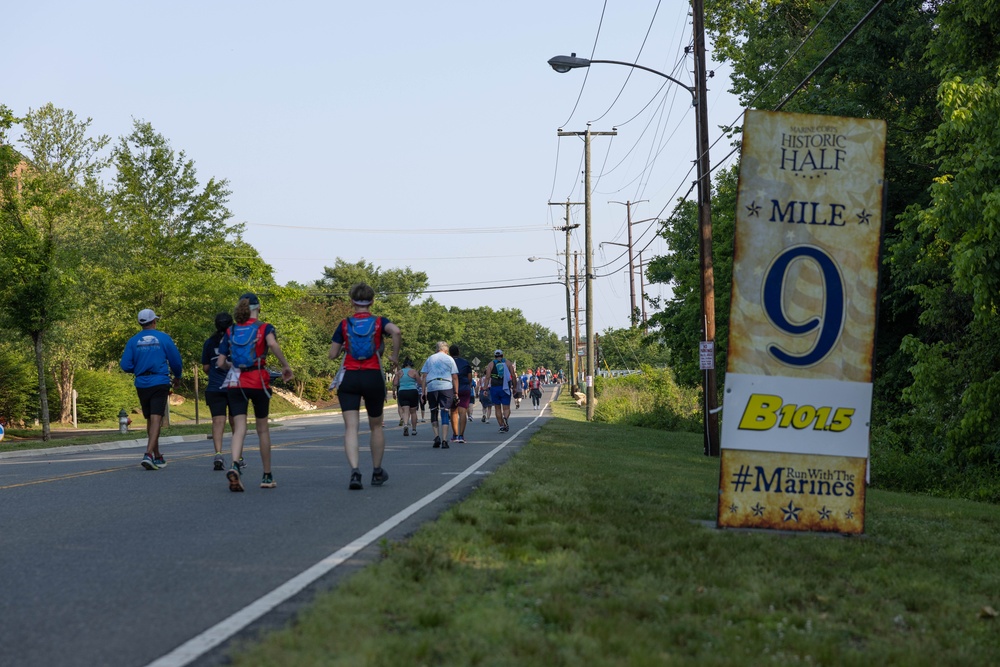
x=363, y=379
x=216, y=397
x=250, y=384
x=484, y=398
x=152, y=356
x=423, y=403
x=439, y=376
x=535, y=391
x=472, y=396
x=460, y=416
x=502, y=381
x=523, y=382
x=407, y=383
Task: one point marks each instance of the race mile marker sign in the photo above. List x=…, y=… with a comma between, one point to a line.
x=798, y=391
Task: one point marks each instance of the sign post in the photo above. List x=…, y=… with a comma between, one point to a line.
x=802, y=323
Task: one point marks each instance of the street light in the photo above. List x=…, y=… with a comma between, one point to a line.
x=569, y=320
x=563, y=64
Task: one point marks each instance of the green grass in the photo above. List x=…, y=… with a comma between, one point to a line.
x=586, y=549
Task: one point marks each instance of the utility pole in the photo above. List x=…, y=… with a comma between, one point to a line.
x=711, y=413
x=576, y=312
x=631, y=260
x=642, y=292
x=589, y=258
x=568, y=228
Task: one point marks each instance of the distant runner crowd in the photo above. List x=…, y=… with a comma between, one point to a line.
x=234, y=358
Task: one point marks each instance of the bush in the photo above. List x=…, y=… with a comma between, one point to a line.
x=316, y=389
x=651, y=399
x=18, y=386
x=908, y=456
x=100, y=395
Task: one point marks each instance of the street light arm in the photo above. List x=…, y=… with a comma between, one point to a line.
x=690, y=89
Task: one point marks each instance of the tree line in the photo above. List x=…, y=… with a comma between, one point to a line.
x=92, y=231
x=931, y=69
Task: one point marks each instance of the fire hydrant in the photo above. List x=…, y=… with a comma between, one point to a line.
x=123, y=422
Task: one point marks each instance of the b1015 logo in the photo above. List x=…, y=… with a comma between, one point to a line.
x=767, y=411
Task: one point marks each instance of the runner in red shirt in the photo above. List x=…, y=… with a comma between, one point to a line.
x=364, y=379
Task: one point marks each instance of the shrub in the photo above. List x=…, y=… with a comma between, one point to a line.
x=651, y=399
x=18, y=386
x=315, y=389
x=100, y=395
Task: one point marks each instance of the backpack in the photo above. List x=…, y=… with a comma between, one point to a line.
x=497, y=377
x=362, y=336
x=243, y=343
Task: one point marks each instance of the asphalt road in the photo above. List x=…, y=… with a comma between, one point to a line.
x=104, y=563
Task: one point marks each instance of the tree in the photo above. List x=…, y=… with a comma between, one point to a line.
x=677, y=326
x=631, y=349
x=176, y=252
x=50, y=223
x=948, y=251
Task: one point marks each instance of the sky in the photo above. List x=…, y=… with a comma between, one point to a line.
x=419, y=135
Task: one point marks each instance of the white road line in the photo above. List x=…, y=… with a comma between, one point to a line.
x=219, y=633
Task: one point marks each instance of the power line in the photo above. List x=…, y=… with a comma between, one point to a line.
x=436, y=291
x=587, y=74
x=450, y=258
x=847, y=37
x=418, y=232
x=636, y=59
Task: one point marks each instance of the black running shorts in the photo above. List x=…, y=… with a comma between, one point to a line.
x=368, y=385
x=240, y=399
x=218, y=402
x=409, y=398
x=153, y=399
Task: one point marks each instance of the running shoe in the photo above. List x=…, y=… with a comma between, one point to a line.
x=504, y=429
x=218, y=463
x=355, y=480
x=406, y=430
x=461, y=439
x=243, y=464
x=445, y=445
x=437, y=441
x=400, y=422
x=267, y=481
x=483, y=419
x=379, y=477
x=235, y=483
x=414, y=431
x=160, y=461
x=148, y=463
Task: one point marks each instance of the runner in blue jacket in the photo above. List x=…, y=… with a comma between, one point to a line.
x=152, y=357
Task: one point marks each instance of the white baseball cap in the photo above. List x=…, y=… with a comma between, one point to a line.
x=147, y=315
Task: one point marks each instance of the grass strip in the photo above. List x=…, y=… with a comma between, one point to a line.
x=584, y=549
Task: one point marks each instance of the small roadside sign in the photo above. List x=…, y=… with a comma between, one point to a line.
x=707, y=355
